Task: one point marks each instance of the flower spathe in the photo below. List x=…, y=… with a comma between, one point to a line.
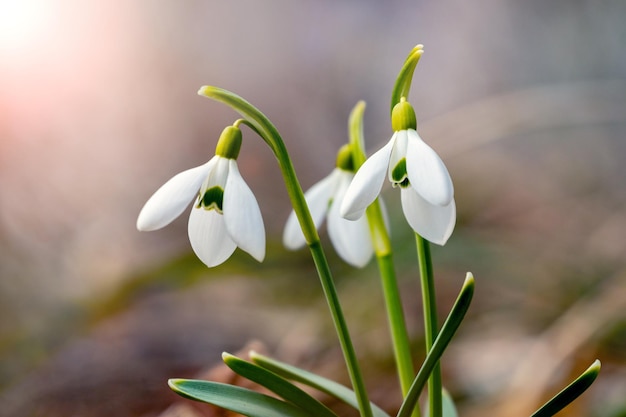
x=225, y=215
x=427, y=192
x=351, y=239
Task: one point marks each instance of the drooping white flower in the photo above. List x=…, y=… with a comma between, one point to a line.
x=225, y=215
x=427, y=192
x=351, y=239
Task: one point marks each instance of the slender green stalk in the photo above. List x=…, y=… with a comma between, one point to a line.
x=395, y=314
x=261, y=125
x=383, y=250
x=342, y=329
x=430, y=322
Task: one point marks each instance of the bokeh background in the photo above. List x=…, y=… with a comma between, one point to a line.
x=524, y=100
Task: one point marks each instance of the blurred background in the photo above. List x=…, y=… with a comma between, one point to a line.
x=524, y=101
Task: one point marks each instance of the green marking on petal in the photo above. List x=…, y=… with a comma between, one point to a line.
x=212, y=199
x=398, y=174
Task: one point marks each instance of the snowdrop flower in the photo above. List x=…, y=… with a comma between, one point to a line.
x=225, y=215
x=426, y=188
x=351, y=239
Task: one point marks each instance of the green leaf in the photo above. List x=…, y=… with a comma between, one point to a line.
x=449, y=328
x=236, y=399
x=570, y=393
x=277, y=385
x=320, y=383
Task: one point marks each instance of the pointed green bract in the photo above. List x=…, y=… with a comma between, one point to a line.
x=312, y=380
x=402, y=86
x=278, y=385
x=237, y=399
x=355, y=133
x=570, y=393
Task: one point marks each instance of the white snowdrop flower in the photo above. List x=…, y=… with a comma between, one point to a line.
x=225, y=215
x=351, y=239
x=407, y=161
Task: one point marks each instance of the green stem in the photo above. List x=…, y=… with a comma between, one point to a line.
x=382, y=247
x=342, y=329
x=395, y=314
x=430, y=322
x=268, y=132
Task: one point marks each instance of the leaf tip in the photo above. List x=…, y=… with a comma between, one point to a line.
x=594, y=369
x=227, y=356
x=174, y=383
x=469, y=282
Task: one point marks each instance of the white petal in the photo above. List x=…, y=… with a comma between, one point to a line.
x=169, y=201
x=433, y=223
x=367, y=183
x=208, y=236
x=218, y=174
x=351, y=239
x=427, y=173
x=317, y=198
x=399, y=151
x=242, y=214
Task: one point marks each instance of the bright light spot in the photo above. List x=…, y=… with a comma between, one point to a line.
x=24, y=23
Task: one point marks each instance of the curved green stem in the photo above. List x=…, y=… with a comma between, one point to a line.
x=383, y=250
x=264, y=128
x=430, y=322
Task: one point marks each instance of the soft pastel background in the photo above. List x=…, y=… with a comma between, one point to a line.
x=524, y=100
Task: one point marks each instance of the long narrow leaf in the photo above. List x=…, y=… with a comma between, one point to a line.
x=277, y=385
x=237, y=399
x=448, y=330
x=320, y=383
x=570, y=393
